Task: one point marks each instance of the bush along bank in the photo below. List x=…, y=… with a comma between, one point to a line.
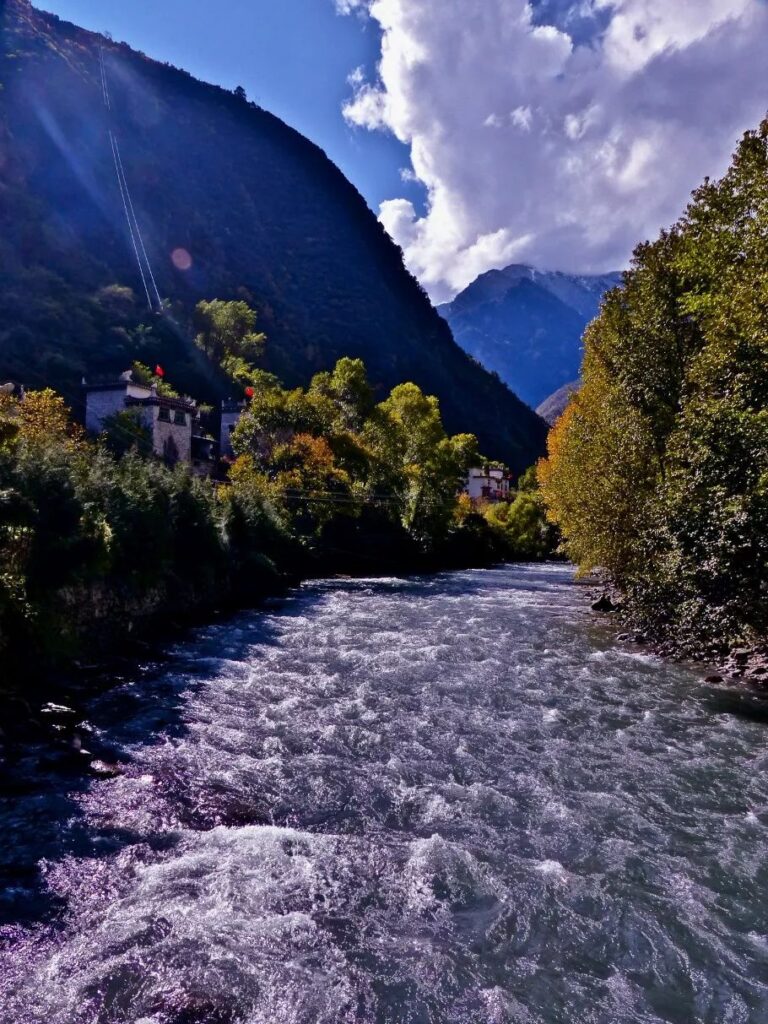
x=98, y=540
x=658, y=470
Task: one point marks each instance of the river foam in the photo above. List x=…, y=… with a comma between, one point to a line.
x=448, y=800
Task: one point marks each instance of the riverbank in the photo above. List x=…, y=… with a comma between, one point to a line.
x=111, y=632
x=740, y=665
x=99, y=543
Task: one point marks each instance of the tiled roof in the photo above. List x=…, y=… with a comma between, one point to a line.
x=186, y=404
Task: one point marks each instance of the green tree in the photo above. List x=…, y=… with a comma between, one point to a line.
x=417, y=462
x=345, y=395
x=272, y=418
x=658, y=472
x=143, y=375
x=521, y=524
x=127, y=431
x=226, y=332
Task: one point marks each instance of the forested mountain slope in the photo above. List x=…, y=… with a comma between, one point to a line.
x=526, y=325
x=262, y=213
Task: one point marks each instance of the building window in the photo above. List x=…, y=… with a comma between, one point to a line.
x=179, y=418
x=164, y=414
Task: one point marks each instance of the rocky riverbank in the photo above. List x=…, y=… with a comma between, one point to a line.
x=745, y=665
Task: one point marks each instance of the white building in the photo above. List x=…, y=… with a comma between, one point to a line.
x=170, y=421
x=230, y=417
x=488, y=483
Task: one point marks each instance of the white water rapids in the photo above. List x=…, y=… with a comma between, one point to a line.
x=447, y=800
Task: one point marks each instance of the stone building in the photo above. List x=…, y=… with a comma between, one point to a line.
x=205, y=455
x=170, y=421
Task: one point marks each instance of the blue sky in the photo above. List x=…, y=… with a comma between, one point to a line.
x=292, y=56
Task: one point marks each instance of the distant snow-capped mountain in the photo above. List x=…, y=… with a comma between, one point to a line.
x=527, y=325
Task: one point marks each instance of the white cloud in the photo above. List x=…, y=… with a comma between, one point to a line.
x=642, y=29
x=535, y=149
x=522, y=117
x=348, y=6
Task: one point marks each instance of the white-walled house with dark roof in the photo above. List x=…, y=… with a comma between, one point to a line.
x=169, y=420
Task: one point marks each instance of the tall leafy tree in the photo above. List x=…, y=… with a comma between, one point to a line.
x=658, y=472
x=422, y=466
x=226, y=332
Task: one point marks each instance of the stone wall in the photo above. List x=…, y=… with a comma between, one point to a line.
x=100, y=405
x=162, y=431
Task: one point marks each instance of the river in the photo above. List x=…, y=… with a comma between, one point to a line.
x=443, y=800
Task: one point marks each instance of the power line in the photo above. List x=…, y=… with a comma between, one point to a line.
x=104, y=86
x=134, y=229
x=138, y=229
x=128, y=219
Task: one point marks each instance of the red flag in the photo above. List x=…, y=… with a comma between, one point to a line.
x=249, y=392
x=159, y=371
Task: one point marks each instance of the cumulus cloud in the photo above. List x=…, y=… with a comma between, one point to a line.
x=541, y=144
x=348, y=6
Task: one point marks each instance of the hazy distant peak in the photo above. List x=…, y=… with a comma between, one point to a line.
x=552, y=408
x=526, y=324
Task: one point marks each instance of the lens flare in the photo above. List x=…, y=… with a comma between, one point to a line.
x=181, y=259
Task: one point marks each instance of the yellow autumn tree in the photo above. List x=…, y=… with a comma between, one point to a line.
x=598, y=478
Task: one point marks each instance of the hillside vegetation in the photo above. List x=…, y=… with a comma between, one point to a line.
x=658, y=470
x=232, y=204
x=97, y=536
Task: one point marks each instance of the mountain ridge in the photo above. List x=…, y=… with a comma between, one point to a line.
x=552, y=408
x=526, y=324
x=262, y=212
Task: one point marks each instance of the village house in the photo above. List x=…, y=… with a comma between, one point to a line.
x=230, y=416
x=171, y=422
x=488, y=483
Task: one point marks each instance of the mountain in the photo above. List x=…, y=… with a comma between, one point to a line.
x=552, y=408
x=231, y=203
x=526, y=325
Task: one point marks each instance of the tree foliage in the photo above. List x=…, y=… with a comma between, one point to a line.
x=76, y=521
x=128, y=431
x=524, y=533
x=330, y=450
x=658, y=471
x=226, y=333
x=324, y=477
x=152, y=378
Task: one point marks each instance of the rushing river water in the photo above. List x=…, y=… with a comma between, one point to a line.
x=450, y=800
